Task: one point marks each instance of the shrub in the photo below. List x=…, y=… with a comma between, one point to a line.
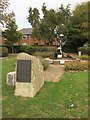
x=45, y=63
x=33, y=49
x=23, y=48
x=84, y=57
x=3, y=52
x=17, y=49
x=69, y=48
x=44, y=54
x=85, y=49
x=77, y=66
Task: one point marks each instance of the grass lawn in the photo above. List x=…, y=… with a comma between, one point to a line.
x=65, y=99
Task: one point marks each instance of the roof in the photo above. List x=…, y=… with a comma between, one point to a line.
x=26, y=30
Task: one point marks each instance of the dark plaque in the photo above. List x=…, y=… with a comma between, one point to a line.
x=23, y=73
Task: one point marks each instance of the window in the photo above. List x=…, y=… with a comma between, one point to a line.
x=24, y=37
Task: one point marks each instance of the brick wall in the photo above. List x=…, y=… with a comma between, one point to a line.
x=30, y=41
x=2, y=41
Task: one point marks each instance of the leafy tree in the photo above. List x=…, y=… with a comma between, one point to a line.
x=44, y=9
x=52, y=24
x=78, y=26
x=11, y=34
x=33, y=16
x=45, y=29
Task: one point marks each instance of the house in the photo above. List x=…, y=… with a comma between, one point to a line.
x=28, y=40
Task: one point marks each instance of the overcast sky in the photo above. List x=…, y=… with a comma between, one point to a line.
x=20, y=7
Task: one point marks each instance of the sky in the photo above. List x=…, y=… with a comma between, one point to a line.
x=20, y=8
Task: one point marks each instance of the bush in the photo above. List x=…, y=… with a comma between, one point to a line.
x=23, y=48
x=16, y=49
x=32, y=49
x=85, y=49
x=45, y=63
x=69, y=48
x=3, y=52
x=44, y=54
x=77, y=66
x=84, y=57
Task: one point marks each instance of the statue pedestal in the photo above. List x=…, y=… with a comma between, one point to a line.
x=59, y=56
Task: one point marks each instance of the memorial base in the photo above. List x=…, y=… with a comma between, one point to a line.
x=24, y=89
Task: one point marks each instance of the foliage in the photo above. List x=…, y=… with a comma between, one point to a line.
x=11, y=34
x=52, y=24
x=3, y=6
x=33, y=49
x=45, y=63
x=77, y=66
x=49, y=54
x=74, y=25
x=78, y=26
x=3, y=52
x=52, y=101
x=69, y=48
x=84, y=57
x=4, y=16
x=33, y=16
x=85, y=49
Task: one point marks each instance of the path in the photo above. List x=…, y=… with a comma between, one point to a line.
x=54, y=73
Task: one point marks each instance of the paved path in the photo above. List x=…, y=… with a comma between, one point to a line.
x=54, y=73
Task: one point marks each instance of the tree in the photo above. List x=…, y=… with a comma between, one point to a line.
x=4, y=16
x=3, y=6
x=52, y=24
x=11, y=34
x=78, y=26
x=33, y=16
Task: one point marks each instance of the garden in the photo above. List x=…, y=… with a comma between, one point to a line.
x=67, y=98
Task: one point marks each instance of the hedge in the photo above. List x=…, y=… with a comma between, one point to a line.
x=77, y=66
x=3, y=52
x=32, y=49
x=49, y=54
x=85, y=50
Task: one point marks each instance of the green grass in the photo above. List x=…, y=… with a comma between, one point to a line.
x=54, y=100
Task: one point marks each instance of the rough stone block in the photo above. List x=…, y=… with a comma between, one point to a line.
x=29, y=89
x=11, y=78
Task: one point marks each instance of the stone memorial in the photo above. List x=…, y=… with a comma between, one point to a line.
x=29, y=75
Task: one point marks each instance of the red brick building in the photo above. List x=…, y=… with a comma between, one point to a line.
x=2, y=40
x=27, y=39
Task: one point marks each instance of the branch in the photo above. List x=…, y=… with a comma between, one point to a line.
x=63, y=43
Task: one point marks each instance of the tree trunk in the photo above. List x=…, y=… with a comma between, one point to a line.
x=12, y=49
